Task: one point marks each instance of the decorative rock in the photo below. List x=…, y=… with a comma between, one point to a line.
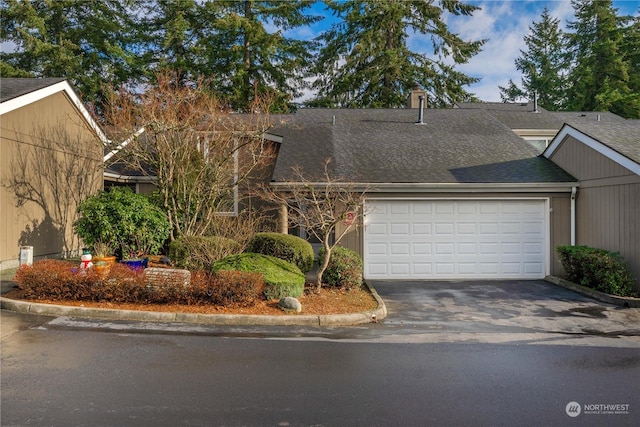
x=290, y=304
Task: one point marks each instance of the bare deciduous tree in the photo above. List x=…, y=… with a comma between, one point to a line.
x=320, y=206
x=199, y=151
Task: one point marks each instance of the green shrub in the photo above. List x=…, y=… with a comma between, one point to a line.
x=200, y=252
x=344, y=269
x=598, y=269
x=122, y=219
x=282, y=278
x=284, y=246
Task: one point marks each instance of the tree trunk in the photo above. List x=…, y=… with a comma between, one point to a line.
x=325, y=262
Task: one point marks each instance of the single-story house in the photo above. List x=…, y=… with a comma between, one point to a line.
x=454, y=193
x=50, y=159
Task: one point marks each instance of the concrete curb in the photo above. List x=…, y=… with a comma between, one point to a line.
x=627, y=302
x=196, y=318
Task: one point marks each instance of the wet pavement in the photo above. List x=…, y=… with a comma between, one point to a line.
x=498, y=312
x=508, y=310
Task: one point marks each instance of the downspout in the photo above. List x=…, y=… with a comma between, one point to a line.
x=574, y=189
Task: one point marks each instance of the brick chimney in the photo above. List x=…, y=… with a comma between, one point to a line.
x=413, y=99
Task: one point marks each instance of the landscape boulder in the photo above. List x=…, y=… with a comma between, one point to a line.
x=290, y=304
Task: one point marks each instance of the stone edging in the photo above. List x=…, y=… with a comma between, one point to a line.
x=628, y=302
x=196, y=318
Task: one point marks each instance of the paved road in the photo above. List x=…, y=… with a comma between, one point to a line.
x=468, y=358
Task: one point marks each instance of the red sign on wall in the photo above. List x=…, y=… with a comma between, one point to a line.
x=349, y=218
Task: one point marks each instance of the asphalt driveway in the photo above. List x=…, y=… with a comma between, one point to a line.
x=502, y=307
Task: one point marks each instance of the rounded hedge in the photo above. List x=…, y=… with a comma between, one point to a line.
x=200, y=252
x=282, y=278
x=124, y=220
x=597, y=268
x=344, y=269
x=290, y=248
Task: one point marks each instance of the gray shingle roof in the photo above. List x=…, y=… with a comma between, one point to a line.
x=14, y=87
x=621, y=136
x=518, y=116
x=577, y=117
x=387, y=146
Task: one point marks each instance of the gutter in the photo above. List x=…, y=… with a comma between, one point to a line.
x=453, y=187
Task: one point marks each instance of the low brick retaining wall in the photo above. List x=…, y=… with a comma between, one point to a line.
x=171, y=277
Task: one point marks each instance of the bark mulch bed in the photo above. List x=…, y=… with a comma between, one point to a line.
x=327, y=301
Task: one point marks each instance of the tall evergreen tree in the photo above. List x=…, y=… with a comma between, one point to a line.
x=542, y=65
x=600, y=72
x=366, y=60
x=172, y=36
x=231, y=43
x=631, y=52
x=84, y=41
x=250, y=61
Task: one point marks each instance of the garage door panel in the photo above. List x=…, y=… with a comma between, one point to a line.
x=445, y=248
x=489, y=248
x=422, y=228
x=400, y=228
x=400, y=249
x=467, y=249
x=489, y=228
x=455, y=239
x=377, y=229
x=400, y=268
x=377, y=249
x=444, y=208
x=444, y=228
x=467, y=228
x=401, y=208
x=420, y=268
x=422, y=249
x=488, y=268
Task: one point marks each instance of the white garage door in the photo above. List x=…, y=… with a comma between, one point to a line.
x=455, y=239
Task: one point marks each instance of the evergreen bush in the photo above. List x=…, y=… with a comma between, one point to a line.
x=284, y=246
x=282, y=278
x=598, y=269
x=123, y=219
x=344, y=269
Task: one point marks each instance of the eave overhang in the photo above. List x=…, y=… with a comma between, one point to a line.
x=393, y=187
x=110, y=176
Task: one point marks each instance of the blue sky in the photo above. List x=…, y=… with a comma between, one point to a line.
x=504, y=23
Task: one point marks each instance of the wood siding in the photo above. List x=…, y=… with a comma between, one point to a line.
x=609, y=218
x=585, y=163
x=608, y=201
x=49, y=129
